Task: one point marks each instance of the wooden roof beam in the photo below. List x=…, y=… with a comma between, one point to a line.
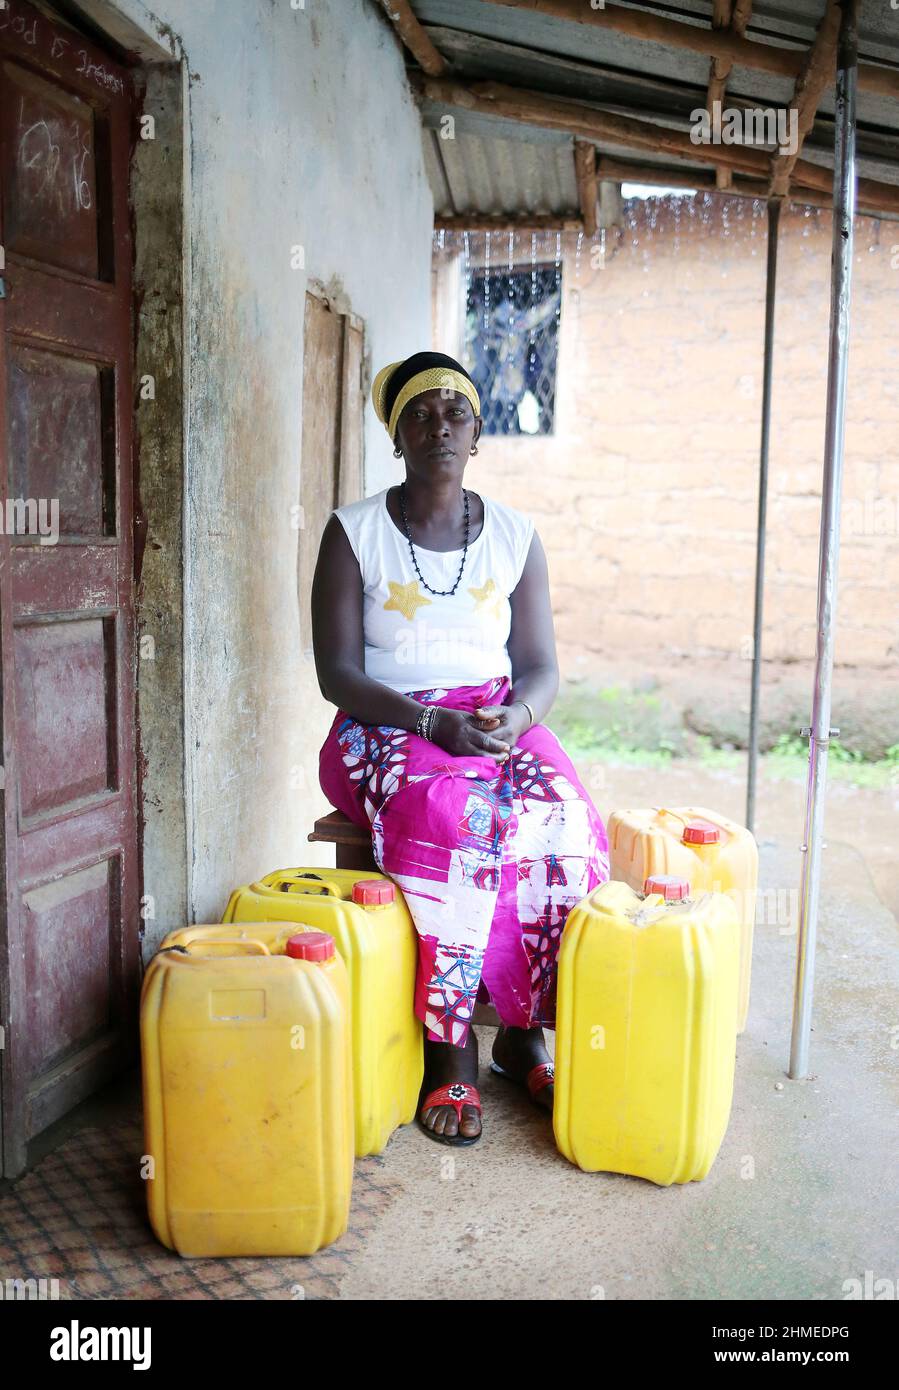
x=734, y=15
x=587, y=185
x=589, y=123
x=411, y=33
x=716, y=43
x=622, y=171
x=818, y=73
x=508, y=222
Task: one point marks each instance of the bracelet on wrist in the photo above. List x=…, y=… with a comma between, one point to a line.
x=528, y=708
x=424, y=724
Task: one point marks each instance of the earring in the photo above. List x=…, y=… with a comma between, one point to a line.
x=397, y=453
x=474, y=448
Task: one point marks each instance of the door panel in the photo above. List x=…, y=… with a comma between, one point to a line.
x=67, y=741
x=67, y=959
x=69, y=946
x=49, y=168
x=78, y=578
x=62, y=422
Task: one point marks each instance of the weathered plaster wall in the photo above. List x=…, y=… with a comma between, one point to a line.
x=301, y=133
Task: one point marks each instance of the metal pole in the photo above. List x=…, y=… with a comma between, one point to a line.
x=774, y=206
x=820, y=732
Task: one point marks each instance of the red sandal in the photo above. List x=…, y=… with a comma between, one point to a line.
x=457, y=1094
x=543, y=1074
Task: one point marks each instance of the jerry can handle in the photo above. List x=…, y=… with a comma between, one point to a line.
x=327, y=887
x=248, y=946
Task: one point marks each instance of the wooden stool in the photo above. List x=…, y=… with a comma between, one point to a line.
x=352, y=842
x=352, y=845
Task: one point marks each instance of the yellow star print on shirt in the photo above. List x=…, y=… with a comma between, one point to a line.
x=405, y=598
x=489, y=597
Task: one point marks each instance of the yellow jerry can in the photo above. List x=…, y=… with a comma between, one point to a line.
x=645, y=1030
x=247, y=1091
x=368, y=918
x=714, y=854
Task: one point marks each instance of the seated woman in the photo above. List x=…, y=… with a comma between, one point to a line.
x=433, y=635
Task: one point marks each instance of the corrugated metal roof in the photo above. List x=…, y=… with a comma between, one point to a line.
x=500, y=166
x=491, y=174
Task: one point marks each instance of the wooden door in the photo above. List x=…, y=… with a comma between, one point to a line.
x=332, y=431
x=69, y=944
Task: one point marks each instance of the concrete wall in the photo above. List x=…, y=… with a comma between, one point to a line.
x=156, y=193
x=646, y=495
x=300, y=132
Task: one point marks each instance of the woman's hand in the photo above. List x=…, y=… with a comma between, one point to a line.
x=463, y=734
x=505, y=722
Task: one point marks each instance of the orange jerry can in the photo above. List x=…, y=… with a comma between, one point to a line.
x=247, y=1091
x=714, y=855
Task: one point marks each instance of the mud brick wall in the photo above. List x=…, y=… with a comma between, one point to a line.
x=646, y=495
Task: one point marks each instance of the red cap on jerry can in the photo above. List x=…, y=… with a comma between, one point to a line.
x=372, y=892
x=670, y=886
x=310, y=945
x=701, y=832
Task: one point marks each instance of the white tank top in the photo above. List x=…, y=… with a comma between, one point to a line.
x=416, y=640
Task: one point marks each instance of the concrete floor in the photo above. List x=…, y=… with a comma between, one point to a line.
x=510, y=1218
x=864, y=817
x=802, y=1197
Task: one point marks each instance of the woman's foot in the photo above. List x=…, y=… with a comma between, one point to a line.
x=445, y=1064
x=517, y=1051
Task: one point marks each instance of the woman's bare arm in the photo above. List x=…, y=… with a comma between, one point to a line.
x=339, y=648
x=532, y=640
x=337, y=640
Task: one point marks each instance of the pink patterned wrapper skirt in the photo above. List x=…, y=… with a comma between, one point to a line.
x=490, y=857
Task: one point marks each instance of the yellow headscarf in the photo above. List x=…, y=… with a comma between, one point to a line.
x=436, y=372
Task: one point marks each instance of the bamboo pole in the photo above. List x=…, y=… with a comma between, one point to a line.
x=716, y=43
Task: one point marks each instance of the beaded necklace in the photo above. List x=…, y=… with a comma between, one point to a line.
x=441, y=593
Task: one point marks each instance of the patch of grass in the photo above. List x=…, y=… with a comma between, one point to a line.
x=713, y=757
x=623, y=728
x=609, y=745
x=788, y=761
x=619, y=724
